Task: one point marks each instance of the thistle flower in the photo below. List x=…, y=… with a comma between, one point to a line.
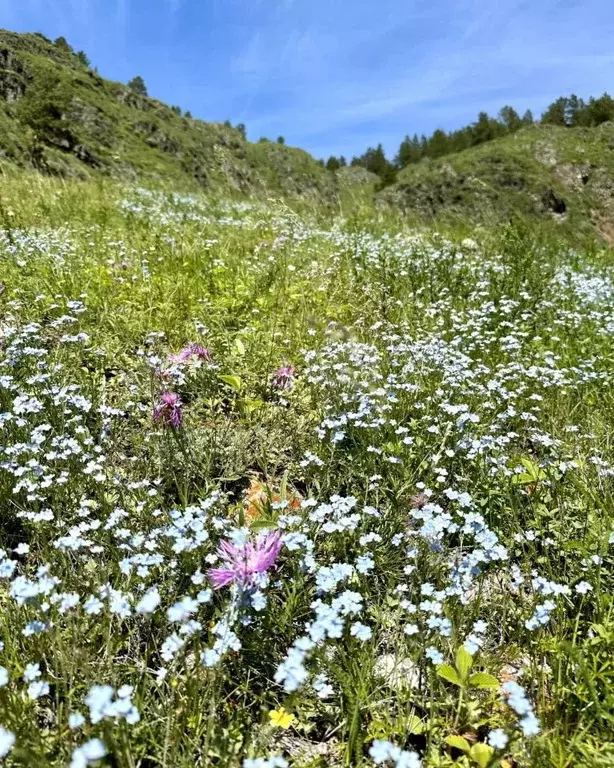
x=243, y=563
x=283, y=378
x=192, y=350
x=168, y=410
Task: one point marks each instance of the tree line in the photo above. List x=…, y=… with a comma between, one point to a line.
x=570, y=111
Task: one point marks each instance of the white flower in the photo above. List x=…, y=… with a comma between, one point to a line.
x=31, y=672
x=497, y=739
x=90, y=752
x=7, y=739
x=93, y=605
x=37, y=689
x=361, y=631
x=149, y=602
x=75, y=720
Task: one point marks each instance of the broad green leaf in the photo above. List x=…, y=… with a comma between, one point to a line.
x=248, y=406
x=414, y=726
x=240, y=346
x=449, y=673
x=534, y=471
x=523, y=479
x=482, y=754
x=483, y=680
x=233, y=381
x=464, y=660
x=458, y=742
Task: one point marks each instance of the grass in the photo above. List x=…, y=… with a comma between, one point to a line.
x=424, y=417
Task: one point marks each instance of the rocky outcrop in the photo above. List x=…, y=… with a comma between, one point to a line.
x=14, y=76
x=93, y=120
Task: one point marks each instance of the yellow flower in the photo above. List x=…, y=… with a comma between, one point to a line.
x=280, y=718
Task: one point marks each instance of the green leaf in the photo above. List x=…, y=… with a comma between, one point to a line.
x=248, y=406
x=464, y=660
x=414, y=726
x=458, y=743
x=449, y=673
x=233, y=381
x=483, y=680
x=240, y=346
x=482, y=754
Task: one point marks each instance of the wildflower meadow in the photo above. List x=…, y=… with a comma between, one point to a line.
x=284, y=489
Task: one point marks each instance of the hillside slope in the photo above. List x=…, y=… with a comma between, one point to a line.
x=566, y=174
x=60, y=116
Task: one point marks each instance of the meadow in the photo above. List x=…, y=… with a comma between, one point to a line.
x=281, y=489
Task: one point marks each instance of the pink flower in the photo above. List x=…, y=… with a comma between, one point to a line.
x=242, y=563
x=168, y=410
x=187, y=353
x=283, y=378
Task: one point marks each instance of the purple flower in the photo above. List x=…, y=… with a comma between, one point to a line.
x=187, y=353
x=283, y=378
x=168, y=410
x=241, y=564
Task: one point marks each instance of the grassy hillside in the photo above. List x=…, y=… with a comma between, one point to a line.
x=62, y=117
x=566, y=174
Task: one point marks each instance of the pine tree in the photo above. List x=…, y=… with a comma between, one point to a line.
x=409, y=152
x=281, y=140
x=62, y=44
x=600, y=110
x=438, y=144
x=510, y=119
x=575, y=110
x=486, y=128
x=555, y=114
x=374, y=160
x=527, y=118
x=137, y=84
x=461, y=139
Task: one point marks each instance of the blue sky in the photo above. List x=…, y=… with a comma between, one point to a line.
x=334, y=76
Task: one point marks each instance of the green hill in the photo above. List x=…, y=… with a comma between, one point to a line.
x=60, y=116
x=545, y=171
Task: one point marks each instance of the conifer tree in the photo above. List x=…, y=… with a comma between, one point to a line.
x=137, y=84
